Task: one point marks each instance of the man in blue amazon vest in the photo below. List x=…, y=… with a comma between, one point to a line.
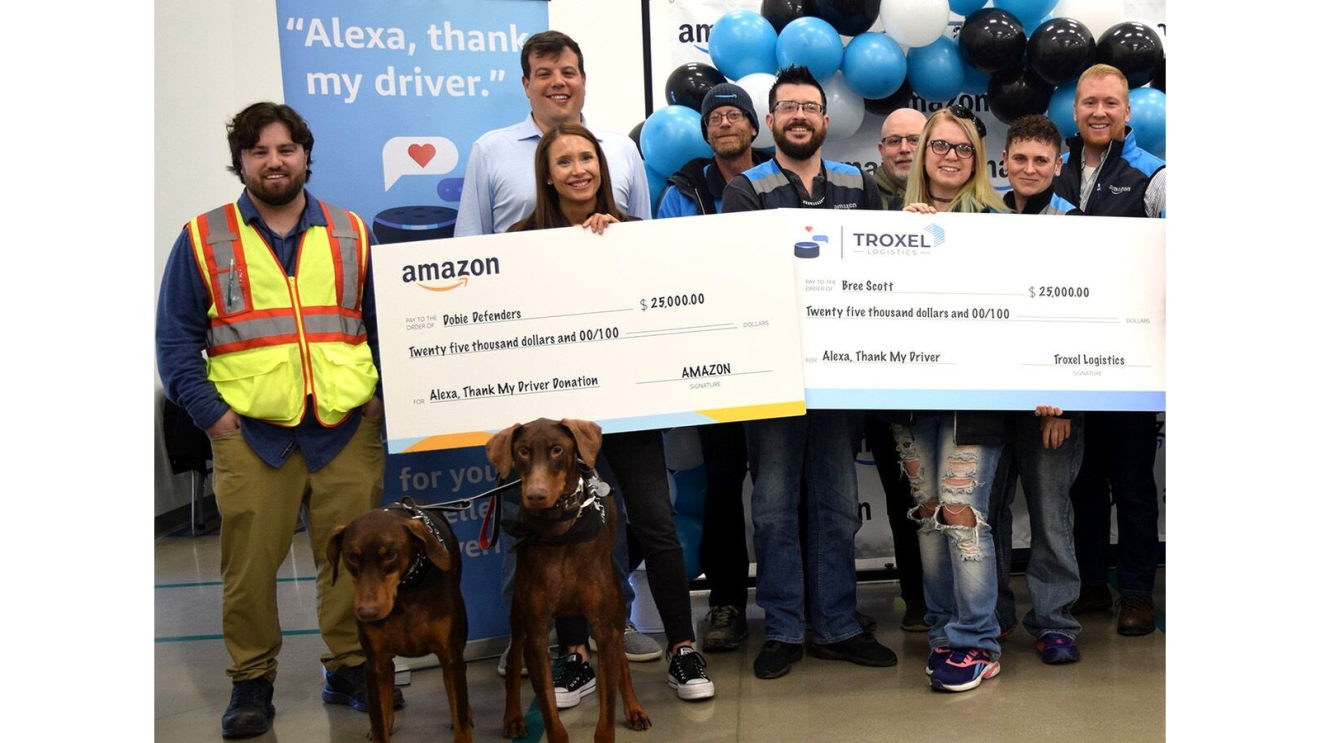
x=1106, y=174
x=821, y=444
x=264, y=334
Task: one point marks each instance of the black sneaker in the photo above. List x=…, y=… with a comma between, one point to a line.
x=687, y=675
x=775, y=659
x=914, y=618
x=728, y=628
x=348, y=685
x=250, y=711
x=861, y=649
x=574, y=680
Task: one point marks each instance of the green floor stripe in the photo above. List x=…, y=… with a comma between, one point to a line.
x=535, y=725
x=196, y=638
x=219, y=583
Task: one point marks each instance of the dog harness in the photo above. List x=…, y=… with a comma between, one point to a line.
x=586, y=499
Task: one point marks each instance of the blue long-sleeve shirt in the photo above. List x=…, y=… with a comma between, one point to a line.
x=181, y=326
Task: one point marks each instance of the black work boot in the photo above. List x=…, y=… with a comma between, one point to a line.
x=250, y=709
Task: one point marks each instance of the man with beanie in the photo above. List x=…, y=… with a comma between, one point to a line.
x=728, y=122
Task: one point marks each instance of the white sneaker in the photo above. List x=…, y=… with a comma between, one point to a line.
x=503, y=666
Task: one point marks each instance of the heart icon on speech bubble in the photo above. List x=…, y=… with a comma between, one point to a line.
x=421, y=153
x=417, y=156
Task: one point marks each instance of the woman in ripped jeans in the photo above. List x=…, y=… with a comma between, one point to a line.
x=950, y=458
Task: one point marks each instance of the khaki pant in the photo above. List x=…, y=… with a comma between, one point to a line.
x=259, y=509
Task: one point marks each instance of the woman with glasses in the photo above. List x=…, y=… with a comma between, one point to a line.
x=949, y=458
x=573, y=189
x=948, y=174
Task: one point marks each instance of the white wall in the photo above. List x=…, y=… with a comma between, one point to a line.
x=213, y=57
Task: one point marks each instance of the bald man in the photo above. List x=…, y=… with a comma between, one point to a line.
x=898, y=146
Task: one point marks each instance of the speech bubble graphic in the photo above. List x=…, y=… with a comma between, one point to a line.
x=450, y=189
x=417, y=156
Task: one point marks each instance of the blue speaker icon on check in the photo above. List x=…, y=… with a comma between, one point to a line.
x=810, y=248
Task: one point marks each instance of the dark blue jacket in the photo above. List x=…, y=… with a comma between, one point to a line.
x=1120, y=186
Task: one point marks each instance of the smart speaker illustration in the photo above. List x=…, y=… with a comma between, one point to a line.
x=810, y=248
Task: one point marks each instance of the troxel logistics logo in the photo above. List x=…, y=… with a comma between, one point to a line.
x=899, y=243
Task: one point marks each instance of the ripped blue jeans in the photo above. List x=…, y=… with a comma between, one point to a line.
x=957, y=562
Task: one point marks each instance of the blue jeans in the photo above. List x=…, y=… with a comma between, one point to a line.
x=957, y=562
x=1047, y=475
x=816, y=449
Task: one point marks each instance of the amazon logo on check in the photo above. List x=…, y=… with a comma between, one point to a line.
x=445, y=276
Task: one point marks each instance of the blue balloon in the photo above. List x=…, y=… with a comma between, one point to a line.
x=742, y=42
x=935, y=71
x=974, y=81
x=812, y=43
x=1061, y=110
x=689, y=535
x=690, y=492
x=656, y=183
x=1148, y=112
x=671, y=137
x=1027, y=10
x=965, y=8
x=874, y=65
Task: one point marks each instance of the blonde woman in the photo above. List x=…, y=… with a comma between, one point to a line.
x=948, y=174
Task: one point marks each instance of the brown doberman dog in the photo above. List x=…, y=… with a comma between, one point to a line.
x=406, y=574
x=559, y=576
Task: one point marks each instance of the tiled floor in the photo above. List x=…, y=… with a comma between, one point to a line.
x=1117, y=692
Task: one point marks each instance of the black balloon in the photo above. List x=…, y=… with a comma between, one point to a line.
x=992, y=40
x=636, y=134
x=849, y=17
x=1060, y=50
x=782, y=12
x=1016, y=92
x=901, y=98
x=1157, y=80
x=1132, y=47
x=688, y=84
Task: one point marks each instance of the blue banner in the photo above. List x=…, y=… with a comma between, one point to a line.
x=395, y=94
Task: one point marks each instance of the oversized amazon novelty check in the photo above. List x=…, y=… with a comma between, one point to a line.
x=651, y=325
x=979, y=311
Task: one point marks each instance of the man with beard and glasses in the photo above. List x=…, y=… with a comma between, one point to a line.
x=275, y=290
x=820, y=445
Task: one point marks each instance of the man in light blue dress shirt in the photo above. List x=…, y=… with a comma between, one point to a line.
x=499, y=187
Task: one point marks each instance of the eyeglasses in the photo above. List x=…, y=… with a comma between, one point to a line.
x=733, y=117
x=963, y=112
x=942, y=148
x=895, y=141
x=791, y=107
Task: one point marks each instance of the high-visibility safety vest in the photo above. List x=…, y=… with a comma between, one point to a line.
x=274, y=339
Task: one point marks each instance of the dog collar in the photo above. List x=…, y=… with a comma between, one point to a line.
x=420, y=564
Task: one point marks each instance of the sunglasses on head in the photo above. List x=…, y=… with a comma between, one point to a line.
x=963, y=112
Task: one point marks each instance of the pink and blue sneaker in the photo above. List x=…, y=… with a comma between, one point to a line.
x=936, y=659
x=1055, y=648
x=964, y=669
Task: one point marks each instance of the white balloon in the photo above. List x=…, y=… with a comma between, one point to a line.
x=1097, y=15
x=914, y=22
x=758, y=86
x=845, y=108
